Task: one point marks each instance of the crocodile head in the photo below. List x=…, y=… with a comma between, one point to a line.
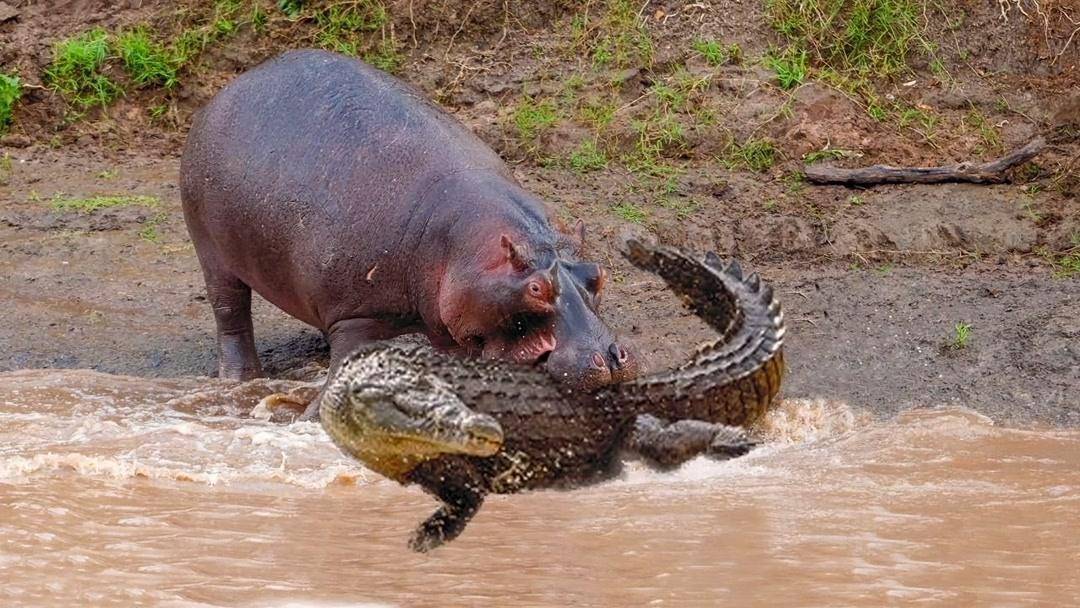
x=386, y=410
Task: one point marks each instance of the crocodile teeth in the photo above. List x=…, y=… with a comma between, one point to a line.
x=735, y=269
x=713, y=261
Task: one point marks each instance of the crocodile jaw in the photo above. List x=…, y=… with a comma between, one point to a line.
x=387, y=411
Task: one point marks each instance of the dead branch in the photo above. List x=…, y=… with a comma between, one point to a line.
x=993, y=172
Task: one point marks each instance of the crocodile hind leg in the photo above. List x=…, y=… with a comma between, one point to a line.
x=460, y=503
x=668, y=445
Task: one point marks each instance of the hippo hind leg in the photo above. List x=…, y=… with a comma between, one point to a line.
x=669, y=445
x=230, y=299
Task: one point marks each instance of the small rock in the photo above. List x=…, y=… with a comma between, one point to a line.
x=7, y=12
x=15, y=140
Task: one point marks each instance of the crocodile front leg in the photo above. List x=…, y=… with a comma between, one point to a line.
x=460, y=503
x=668, y=445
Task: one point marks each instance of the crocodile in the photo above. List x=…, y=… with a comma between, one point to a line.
x=462, y=429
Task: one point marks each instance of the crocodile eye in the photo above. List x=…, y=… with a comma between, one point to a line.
x=367, y=390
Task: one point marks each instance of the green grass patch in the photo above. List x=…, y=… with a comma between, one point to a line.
x=657, y=136
x=619, y=39
x=145, y=60
x=988, y=133
x=385, y=56
x=91, y=204
x=961, y=335
x=10, y=94
x=1067, y=265
x=149, y=232
x=222, y=21
x=791, y=67
x=533, y=117
x=860, y=38
x=757, y=155
x=588, y=157
x=291, y=8
x=345, y=27
x=630, y=212
x=683, y=207
x=916, y=118
x=76, y=70
x=826, y=153
x=598, y=115
x=716, y=54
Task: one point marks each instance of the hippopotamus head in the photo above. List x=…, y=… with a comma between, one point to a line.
x=536, y=302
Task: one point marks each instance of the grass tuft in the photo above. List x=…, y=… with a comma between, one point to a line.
x=291, y=8
x=826, y=153
x=630, y=212
x=10, y=94
x=861, y=38
x=716, y=54
x=533, y=118
x=961, y=335
x=341, y=27
x=758, y=155
x=75, y=71
x=620, y=40
x=146, y=61
x=95, y=203
x=588, y=157
x=791, y=67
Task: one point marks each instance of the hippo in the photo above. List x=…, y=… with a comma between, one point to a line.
x=345, y=198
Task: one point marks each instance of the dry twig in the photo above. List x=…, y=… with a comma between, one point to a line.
x=993, y=172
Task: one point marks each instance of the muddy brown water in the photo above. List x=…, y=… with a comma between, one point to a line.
x=124, y=491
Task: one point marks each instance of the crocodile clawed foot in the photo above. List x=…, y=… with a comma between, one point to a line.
x=730, y=442
x=443, y=526
x=425, y=538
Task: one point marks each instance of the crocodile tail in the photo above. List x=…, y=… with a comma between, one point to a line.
x=733, y=379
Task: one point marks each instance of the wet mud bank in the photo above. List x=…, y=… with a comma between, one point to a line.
x=119, y=290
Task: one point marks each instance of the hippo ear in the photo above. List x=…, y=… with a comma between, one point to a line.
x=515, y=254
x=578, y=235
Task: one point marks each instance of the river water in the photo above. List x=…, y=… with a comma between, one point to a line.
x=118, y=491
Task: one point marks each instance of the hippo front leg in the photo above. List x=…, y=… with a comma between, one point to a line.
x=667, y=445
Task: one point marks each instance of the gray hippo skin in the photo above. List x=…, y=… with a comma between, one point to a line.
x=346, y=199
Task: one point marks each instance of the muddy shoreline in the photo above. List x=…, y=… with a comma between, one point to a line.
x=662, y=117
x=91, y=290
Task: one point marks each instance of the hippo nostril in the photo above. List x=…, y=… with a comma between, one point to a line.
x=619, y=354
x=598, y=361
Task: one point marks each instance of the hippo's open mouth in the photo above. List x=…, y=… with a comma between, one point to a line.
x=526, y=340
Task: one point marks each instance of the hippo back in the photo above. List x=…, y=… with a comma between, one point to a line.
x=306, y=173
